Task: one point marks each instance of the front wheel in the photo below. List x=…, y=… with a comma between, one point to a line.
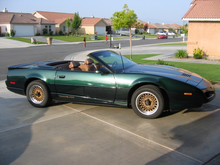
x=147, y=102
x=38, y=94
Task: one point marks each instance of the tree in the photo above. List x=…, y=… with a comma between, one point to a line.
x=125, y=19
x=145, y=27
x=184, y=29
x=138, y=26
x=76, y=23
x=68, y=23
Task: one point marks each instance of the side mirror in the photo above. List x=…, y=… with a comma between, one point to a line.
x=102, y=70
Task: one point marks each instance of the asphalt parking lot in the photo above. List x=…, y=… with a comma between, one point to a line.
x=71, y=133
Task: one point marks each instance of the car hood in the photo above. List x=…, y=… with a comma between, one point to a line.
x=167, y=71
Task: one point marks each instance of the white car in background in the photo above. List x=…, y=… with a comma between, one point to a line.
x=161, y=33
x=171, y=33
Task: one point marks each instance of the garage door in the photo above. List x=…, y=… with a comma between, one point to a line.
x=100, y=30
x=24, y=30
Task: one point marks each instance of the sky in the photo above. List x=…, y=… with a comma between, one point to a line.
x=154, y=11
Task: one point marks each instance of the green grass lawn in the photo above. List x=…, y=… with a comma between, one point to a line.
x=26, y=40
x=169, y=44
x=208, y=71
x=147, y=35
x=79, y=38
x=64, y=38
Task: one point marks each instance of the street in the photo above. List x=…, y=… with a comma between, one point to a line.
x=59, y=52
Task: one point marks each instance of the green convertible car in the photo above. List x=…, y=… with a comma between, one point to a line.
x=111, y=79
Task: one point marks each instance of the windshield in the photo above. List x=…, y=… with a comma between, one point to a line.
x=113, y=60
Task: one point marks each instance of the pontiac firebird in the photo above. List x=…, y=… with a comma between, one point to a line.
x=111, y=79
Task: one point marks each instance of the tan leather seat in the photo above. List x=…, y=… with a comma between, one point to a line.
x=88, y=65
x=74, y=65
x=97, y=65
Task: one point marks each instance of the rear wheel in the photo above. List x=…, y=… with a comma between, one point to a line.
x=38, y=94
x=147, y=102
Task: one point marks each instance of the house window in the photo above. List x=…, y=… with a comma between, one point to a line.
x=49, y=28
x=64, y=28
x=46, y=28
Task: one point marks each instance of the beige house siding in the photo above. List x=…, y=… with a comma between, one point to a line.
x=101, y=23
x=206, y=36
x=41, y=27
x=87, y=30
x=5, y=28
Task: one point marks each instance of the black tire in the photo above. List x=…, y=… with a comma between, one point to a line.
x=38, y=94
x=148, y=102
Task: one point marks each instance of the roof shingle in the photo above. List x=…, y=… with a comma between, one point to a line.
x=91, y=21
x=21, y=18
x=55, y=16
x=203, y=9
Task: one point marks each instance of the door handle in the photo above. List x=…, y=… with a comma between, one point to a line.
x=62, y=76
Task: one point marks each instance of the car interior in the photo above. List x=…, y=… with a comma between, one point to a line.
x=87, y=65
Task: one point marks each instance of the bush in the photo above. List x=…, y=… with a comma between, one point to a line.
x=198, y=53
x=37, y=34
x=136, y=31
x=6, y=34
x=60, y=32
x=181, y=54
x=12, y=33
x=210, y=80
x=162, y=62
x=51, y=33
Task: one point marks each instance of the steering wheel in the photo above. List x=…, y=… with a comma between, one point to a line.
x=114, y=64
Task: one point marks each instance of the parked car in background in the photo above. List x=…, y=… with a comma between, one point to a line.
x=162, y=37
x=171, y=33
x=160, y=33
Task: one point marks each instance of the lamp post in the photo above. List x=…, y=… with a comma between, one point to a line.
x=111, y=37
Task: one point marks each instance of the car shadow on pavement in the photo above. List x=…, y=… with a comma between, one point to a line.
x=16, y=120
x=199, y=138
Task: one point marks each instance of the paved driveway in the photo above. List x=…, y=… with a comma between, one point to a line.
x=8, y=43
x=90, y=134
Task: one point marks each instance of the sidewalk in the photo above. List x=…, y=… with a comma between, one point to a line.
x=166, y=53
x=8, y=43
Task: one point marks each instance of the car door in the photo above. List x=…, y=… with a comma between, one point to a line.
x=68, y=83
x=89, y=86
x=99, y=87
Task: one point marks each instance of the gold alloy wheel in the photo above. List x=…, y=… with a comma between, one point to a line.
x=36, y=94
x=147, y=103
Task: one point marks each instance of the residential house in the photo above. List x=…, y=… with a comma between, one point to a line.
x=58, y=18
x=154, y=28
x=151, y=29
x=203, y=27
x=109, y=28
x=125, y=31
x=91, y=25
x=174, y=27
x=24, y=24
x=159, y=27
